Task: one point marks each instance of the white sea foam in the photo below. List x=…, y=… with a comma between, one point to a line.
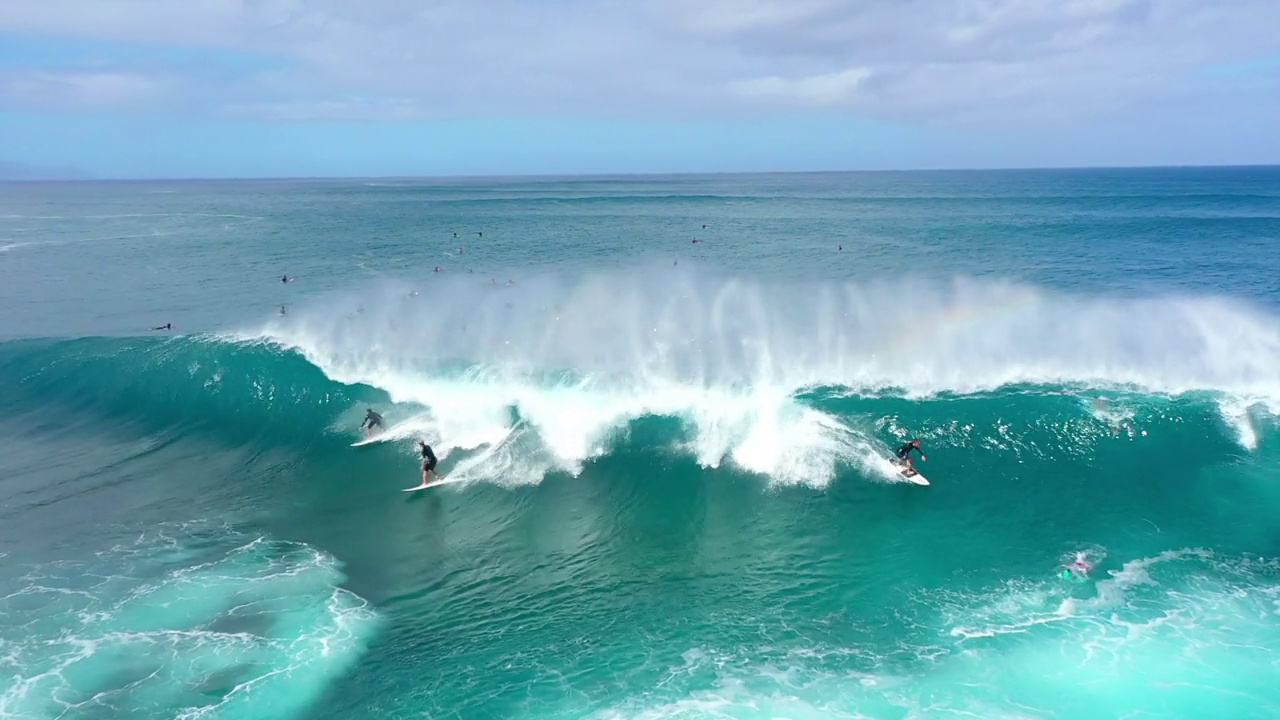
x=258, y=631
x=1183, y=634
x=577, y=359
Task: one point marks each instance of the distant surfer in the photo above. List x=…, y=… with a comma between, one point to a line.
x=286, y=279
x=428, y=463
x=371, y=420
x=166, y=326
x=904, y=455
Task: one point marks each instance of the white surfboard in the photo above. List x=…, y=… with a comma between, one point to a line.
x=446, y=481
x=914, y=477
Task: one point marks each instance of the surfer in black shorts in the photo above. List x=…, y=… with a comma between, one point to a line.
x=428, y=463
x=904, y=454
x=372, y=420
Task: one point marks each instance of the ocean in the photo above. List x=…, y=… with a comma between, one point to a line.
x=667, y=404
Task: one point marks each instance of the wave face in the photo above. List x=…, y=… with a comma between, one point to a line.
x=799, y=384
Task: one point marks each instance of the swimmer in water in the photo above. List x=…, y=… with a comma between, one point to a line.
x=166, y=326
x=1079, y=568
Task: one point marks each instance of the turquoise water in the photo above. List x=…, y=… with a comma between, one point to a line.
x=672, y=499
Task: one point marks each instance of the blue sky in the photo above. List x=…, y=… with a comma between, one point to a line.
x=252, y=88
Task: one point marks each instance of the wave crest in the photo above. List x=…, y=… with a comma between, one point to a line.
x=576, y=359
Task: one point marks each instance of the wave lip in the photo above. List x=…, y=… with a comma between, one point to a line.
x=916, y=337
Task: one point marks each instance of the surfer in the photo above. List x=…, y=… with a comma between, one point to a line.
x=428, y=463
x=904, y=454
x=166, y=326
x=372, y=420
x=286, y=279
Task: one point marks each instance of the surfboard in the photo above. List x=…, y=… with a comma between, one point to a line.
x=914, y=477
x=438, y=483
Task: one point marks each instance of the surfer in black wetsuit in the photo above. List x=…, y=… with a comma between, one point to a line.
x=166, y=326
x=904, y=454
x=372, y=420
x=428, y=463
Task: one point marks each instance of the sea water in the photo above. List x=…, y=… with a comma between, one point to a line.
x=668, y=402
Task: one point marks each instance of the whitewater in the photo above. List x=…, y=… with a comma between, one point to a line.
x=734, y=358
x=673, y=498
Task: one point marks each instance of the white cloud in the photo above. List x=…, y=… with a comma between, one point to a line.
x=63, y=91
x=822, y=90
x=920, y=61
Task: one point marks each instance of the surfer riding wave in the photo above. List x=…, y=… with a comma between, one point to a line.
x=904, y=455
x=371, y=420
x=428, y=463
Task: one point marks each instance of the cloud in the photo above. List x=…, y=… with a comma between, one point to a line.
x=62, y=91
x=830, y=89
x=919, y=61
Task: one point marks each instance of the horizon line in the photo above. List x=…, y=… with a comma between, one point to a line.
x=616, y=175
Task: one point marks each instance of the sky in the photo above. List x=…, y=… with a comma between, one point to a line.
x=261, y=88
